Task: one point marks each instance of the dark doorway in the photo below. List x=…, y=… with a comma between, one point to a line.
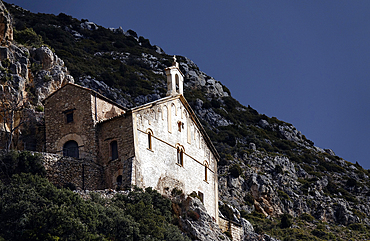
x=70, y=148
x=119, y=180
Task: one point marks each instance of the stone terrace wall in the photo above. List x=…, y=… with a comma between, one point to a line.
x=236, y=230
x=62, y=170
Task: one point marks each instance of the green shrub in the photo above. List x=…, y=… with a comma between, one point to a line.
x=286, y=220
x=357, y=227
x=40, y=211
x=227, y=211
x=283, y=195
x=235, y=170
x=331, y=188
x=39, y=108
x=359, y=214
x=320, y=234
x=249, y=199
x=331, y=167
x=285, y=144
x=351, y=182
x=306, y=217
x=28, y=37
x=15, y=162
x=258, y=229
x=176, y=192
x=256, y=216
x=348, y=196
x=307, y=168
x=215, y=103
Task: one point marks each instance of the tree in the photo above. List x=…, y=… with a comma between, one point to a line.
x=12, y=113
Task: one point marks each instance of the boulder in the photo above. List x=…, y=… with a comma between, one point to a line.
x=45, y=56
x=252, y=146
x=197, y=222
x=263, y=123
x=344, y=215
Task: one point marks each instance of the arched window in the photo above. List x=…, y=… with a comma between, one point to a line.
x=150, y=141
x=180, y=156
x=205, y=171
x=114, y=150
x=177, y=83
x=70, y=148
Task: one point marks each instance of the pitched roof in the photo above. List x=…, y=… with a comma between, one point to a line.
x=192, y=116
x=148, y=105
x=93, y=92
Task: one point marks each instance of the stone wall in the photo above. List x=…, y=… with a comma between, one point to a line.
x=236, y=230
x=172, y=126
x=87, y=108
x=83, y=173
x=81, y=129
x=117, y=129
x=104, y=110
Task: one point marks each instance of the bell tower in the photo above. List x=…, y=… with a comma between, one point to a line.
x=175, y=79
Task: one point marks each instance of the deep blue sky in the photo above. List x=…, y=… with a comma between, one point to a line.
x=304, y=62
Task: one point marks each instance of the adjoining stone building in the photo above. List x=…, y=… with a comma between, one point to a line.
x=160, y=144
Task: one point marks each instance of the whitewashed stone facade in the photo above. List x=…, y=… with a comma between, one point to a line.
x=172, y=126
x=160, y=144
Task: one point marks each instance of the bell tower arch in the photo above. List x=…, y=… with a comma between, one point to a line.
x=175, y=79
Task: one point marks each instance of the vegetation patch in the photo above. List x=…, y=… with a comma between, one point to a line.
x=40, y=211
x=283, y=195
x=306, y=217
x=15, y=162
x=235, y=170
x=226, y=211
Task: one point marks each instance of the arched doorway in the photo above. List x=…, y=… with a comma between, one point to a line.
x=70, y=148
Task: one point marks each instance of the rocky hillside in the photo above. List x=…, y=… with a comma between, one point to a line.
x=269, y=173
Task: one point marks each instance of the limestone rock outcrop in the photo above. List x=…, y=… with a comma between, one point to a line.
x=6, y=28
x=196, y=79
x=197, y=222
x=277, y=186
x=52, y=74
x=295, y=179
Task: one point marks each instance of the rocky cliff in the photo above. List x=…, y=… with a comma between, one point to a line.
x=269, y=173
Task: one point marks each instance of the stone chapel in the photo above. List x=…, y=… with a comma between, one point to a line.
x=160, y=144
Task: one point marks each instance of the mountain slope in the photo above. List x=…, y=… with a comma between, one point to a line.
x=267, y=168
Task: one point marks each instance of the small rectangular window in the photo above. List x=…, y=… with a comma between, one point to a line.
x=180, y=157
x=69, y=116
x=150, y=141
x=179, y=125
x=114, y=150
x=205, y=173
